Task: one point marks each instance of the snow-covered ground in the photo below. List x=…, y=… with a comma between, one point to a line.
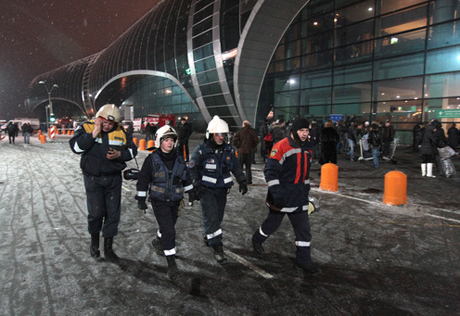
x=376, y=259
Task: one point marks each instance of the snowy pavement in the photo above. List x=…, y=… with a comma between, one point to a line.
x=376, y=259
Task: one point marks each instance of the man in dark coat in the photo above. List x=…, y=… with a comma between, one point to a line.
x=452, y=136
x=245, y=140
x=184, y=130
x=329, y=140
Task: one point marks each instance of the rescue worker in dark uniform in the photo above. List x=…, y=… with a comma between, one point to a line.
x=211, y=165
x=165, y=172
x=105, y=147
x=287, y=174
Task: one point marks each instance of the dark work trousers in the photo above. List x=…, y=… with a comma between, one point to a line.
x=183, y=145
x=263, y=151
x=246, y=162
x=166, y=214
x=104, y=203
x=301, y=225
x=213, y=204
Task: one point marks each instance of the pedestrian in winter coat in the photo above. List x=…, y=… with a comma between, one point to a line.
x=164, y=171
x=211, y=167
x=104, y=146
x=388, y=134
x=278, y=130
x=453, y=136
x=354, y=133
x=428, y=150
x=329, y=140
x=12, y=130
x=263, y=131
x=245, y=140
x=417, y=135
x=184, y=131
x=287, y=174
x=375, y=143
x=26, y=130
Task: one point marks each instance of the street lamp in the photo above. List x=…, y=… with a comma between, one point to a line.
x=50, y=103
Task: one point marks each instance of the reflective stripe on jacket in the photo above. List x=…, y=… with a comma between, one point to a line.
x=215, y=168
x=167, y=184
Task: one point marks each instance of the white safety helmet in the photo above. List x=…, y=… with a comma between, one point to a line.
x=163, y=133
x=110, y=112
x=216, y=125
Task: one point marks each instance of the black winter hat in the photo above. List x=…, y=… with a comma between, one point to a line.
x=299, y=123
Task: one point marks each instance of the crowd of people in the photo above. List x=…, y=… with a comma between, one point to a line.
x=214, y=166
x=288, y=150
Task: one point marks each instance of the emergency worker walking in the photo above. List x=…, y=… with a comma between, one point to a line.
x=287, y=174
x=105, y=147
x=211, y=165
x=165, y=172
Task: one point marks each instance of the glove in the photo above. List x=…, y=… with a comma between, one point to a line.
x=141, y=205
x=243, y=188
x=199, y=190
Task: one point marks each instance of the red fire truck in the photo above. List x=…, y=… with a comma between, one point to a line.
x=157, y=119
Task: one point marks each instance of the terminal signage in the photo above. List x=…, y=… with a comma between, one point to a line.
x=336, y=117
x=448, y=113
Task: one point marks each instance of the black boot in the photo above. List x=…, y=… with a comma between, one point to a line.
x=109, y=254
x=219, y=254
x=156, y=243
x=258, y=249
x=173, y=272
x=94, y=248
x=309, y=268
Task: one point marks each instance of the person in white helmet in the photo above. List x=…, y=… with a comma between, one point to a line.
x=104, y=146
x=164, y=171
x=211, y=165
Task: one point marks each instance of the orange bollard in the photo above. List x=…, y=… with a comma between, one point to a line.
x=136, y=141
x=395, y=188
x=329, y=177
x=142, y=144
x=73, y=132
x=151, y=144
x=43, y=139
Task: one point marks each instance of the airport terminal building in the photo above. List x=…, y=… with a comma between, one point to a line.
x=242, y=59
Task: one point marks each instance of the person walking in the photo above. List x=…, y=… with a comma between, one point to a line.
x=167, y=176
x=104, y=146
x=388, y=134
x=287, y=174
x=245, y=140
x=354, y=133
x=26, y=130
x=375, y=143
x=263, y=132
x=12, y=130
x=184, y=131
x=211, y=167
x=428, y=150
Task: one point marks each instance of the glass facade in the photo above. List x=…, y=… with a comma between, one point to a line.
x=377, y=59
x=242, y=59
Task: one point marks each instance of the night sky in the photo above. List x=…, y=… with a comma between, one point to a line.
x=37, y=36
